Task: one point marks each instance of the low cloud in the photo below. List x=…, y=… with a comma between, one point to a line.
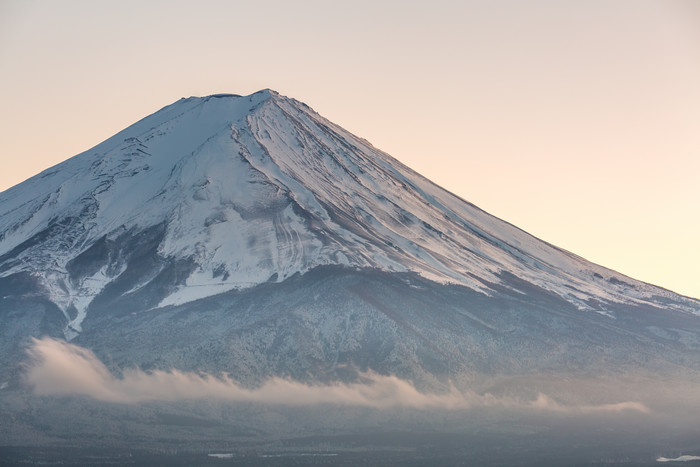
x=57, y=367
x=544, y=402
x=679, y=459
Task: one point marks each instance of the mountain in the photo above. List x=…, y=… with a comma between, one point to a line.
x=248, y=234
x=237, y=275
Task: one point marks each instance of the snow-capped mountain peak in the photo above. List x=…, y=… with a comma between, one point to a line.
x=227, y=192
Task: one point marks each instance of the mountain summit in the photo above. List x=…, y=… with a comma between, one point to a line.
x=225, y=202
x=227, y=192
x=269, y=288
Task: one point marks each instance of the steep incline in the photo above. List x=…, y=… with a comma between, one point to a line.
x=226, y=192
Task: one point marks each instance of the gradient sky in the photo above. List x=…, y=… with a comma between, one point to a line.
x=576, y=121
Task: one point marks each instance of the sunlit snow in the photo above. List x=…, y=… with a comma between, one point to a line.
x=258, y=188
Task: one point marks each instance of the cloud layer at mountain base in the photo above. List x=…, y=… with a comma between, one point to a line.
x=57, y=367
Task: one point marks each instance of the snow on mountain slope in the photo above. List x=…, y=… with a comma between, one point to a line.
x=226, y=192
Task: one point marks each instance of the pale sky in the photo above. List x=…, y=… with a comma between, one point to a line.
x=576, y=121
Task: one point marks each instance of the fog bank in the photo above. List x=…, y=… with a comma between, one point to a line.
x=57, y=368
